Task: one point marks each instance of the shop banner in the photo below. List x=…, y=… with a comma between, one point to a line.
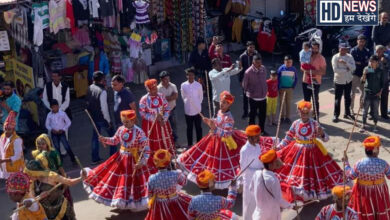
x=23, y=77
x=4, y=41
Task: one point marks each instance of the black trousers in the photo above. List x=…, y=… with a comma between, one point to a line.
x=340, y=90
x=258, y=108
x=192, y=121
x=245, y=102
x=384, y=101
x=308, y=94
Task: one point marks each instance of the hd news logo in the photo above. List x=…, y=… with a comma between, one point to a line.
x=347, y=12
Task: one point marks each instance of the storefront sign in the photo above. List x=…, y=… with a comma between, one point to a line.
x=23, y=77
x=4, y=42
x=347, y=12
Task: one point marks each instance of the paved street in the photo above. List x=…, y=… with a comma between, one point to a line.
x=81, y=131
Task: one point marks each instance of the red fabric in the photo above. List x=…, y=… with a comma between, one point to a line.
x=266, y=42
x=212, y=154
x=272, y=88
x=62, y=47
x=156, y=140
x=371, y=202
x=308, y=171
x=173, y=209
x=70, y=16
x=96, y=63
x=112, y=181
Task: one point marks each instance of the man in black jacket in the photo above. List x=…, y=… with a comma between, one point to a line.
x=381, y=33
x=59, y=91
x=98, y=108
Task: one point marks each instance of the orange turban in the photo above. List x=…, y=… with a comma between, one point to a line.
x=150, y=83
x=204, y=178
x=10, y=122
x=252, y=130
x=128, y=114
x=338, y=191
x=225, y=95
x=372, y=142
x=304, y=106
x=268, y=157
x=162, y=158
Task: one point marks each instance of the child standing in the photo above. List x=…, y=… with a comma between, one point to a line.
x=304, y=59
x=57, y=122
x=373, y=84
x=272, y=98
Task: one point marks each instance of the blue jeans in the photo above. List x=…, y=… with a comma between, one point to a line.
x=95, y=140
x=57, y=138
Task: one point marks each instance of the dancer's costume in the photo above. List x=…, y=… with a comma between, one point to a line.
x=249, y=157
x=208, y=206
x=165, y=199
x=218, y=152
x=330, y=212
x=149, y=107
x=20, y=183
x=112, y=183
x=308, y=171
x=370, y=193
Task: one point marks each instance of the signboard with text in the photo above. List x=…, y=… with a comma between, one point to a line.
x=347, y=12
x=23, y=77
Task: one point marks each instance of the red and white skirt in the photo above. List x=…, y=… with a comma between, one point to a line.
x=213, y=154
x=307, y=173
x=160, y=137
x=175, y=208
x=371, y=202
x=111, y=183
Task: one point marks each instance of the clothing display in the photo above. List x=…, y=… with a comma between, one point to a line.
x=57, y=12
x=141, y=9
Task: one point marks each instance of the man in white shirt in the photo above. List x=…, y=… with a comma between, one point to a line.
x=57, y=122
x=11, y=148
x=169, y=90
x=220, y=80
x=249, y=154
x=343, y=66
x=192, y=95
x=266, y=188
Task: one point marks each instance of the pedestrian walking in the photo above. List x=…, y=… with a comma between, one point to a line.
x=266, y=190
x=343, y=66
x=123, y=98
x=384, y=65
x=373, y=79
x=318, y=62
x=191, y=93
x=255, y=86
x=272, y=98
x=210, y=206
x=245, y=61
x=97, y=106
x=57, y=122
x=220, y=80
x=370, y=194
x=287, y=80
x=169, y=90
x=361, y=54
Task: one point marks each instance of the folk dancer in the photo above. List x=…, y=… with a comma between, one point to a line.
x=56, y=206
x=370, y=194
x=265, y=186
x=255, y=146
x=154, y=110
x=219, y=151
x=335, y=210
x=208, y=206
x=112, y=183
x=165, y=199
x=18, y=187
x=302, y=177
x=11, y=148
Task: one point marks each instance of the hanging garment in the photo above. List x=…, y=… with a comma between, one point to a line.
x=94, y=8
x=19, y=28
x=82, y=37
x=141, y=8
x=127, y=69
x=128, y=14
x=237, y=29
x=38, y=31
x=41, y=10
x=57, y=12
x=135, y=48
x=106, y=8
x=80, y=11
x=70, y=16
x=116, y=63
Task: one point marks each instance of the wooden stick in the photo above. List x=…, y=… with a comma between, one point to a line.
x=317, y=114
x=94, y=125
x=208, y=93
x=243, y=170
x=309, y=203
x=279, y=120
x=39, y=198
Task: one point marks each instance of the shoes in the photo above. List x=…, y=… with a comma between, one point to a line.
x=244, y=116
x=375, y=129
x=335, y=119
x=349, y=116
x=363, y=129
x=385, y=117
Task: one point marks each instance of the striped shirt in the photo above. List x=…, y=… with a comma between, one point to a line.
x=141, y=12
x=42, y=10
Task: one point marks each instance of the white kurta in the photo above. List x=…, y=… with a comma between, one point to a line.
x=18, y=153
x=267, y=205
x=248, y=153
